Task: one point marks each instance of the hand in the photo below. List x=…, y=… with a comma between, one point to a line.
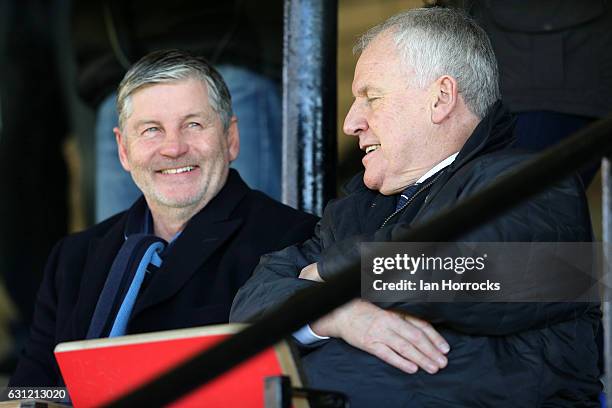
x=399, y=339
x=311, y=272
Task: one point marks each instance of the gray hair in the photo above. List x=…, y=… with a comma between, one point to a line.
x=438, y=41
x=169, y=66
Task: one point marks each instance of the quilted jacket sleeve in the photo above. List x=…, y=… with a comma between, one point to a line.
x=276, y=277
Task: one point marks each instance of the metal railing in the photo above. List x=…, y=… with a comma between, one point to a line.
x=606, y=202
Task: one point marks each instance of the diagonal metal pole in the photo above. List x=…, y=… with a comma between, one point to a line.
x=606, y=207
x=585, y=146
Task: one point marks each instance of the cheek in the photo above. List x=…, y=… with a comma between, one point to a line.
x=214, y=148
x=385, y=123
x=137, y=155
x=141, y=153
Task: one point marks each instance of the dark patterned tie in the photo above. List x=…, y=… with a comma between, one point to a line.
x=406, y=195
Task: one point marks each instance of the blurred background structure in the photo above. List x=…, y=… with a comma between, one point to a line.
x=52, y=98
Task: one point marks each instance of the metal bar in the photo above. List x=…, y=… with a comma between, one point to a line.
x=606, y=206
x=585, y=146
x=277, y=392
x=322, y=398
x=309, y=103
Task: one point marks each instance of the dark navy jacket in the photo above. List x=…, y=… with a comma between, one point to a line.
x=208, y=262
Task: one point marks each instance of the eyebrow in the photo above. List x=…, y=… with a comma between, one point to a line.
x=144, y=122
x=363, y=90
x=200, y=115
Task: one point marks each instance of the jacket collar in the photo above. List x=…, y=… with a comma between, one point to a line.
x=494, y=132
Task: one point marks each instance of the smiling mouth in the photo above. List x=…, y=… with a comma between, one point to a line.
x=372, y=148
x=177, y=170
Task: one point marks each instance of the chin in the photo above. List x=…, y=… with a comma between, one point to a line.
x=371, y=182
x=186, y=201
x=178, y=201
x=388, y=192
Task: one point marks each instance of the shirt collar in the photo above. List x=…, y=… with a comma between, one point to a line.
x=444, y=163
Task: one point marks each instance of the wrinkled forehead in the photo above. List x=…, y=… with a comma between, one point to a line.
x=378, y=66
x=170, y=99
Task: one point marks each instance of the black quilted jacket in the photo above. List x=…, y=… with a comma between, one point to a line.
x=502, y=354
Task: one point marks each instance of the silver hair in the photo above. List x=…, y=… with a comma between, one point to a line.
x=169, y=66
x=439, y=41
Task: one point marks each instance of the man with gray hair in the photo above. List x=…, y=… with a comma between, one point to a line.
x=176, y=258
x=428, y=117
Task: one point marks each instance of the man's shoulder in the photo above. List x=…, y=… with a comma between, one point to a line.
x=258, y=204
x=268, y=225
x=557, y=213
x=71, y=253
x=489, y=167
x=255, y=206
x=97, y=231
x=492, y=165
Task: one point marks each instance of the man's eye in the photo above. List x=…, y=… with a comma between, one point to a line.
x=372, y=99
x=150, y=130
x=194, y=125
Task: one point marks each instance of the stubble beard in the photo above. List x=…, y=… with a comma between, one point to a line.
x=153, y=194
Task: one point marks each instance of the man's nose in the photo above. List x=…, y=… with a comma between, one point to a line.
x=355, y=122
x=174, y=144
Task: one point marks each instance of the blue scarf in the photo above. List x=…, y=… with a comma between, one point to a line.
x=140, y=253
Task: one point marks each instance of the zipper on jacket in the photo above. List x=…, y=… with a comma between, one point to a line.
x=399, y=210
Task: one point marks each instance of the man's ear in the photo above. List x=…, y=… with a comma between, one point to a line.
x=121, y=143
x=445, y=98
x=233, y=139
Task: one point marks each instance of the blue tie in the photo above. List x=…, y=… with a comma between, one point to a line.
x=406, y=195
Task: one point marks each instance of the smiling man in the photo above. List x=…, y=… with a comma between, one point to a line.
x=176, y=258
x=427, y=116
x=176, y=147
